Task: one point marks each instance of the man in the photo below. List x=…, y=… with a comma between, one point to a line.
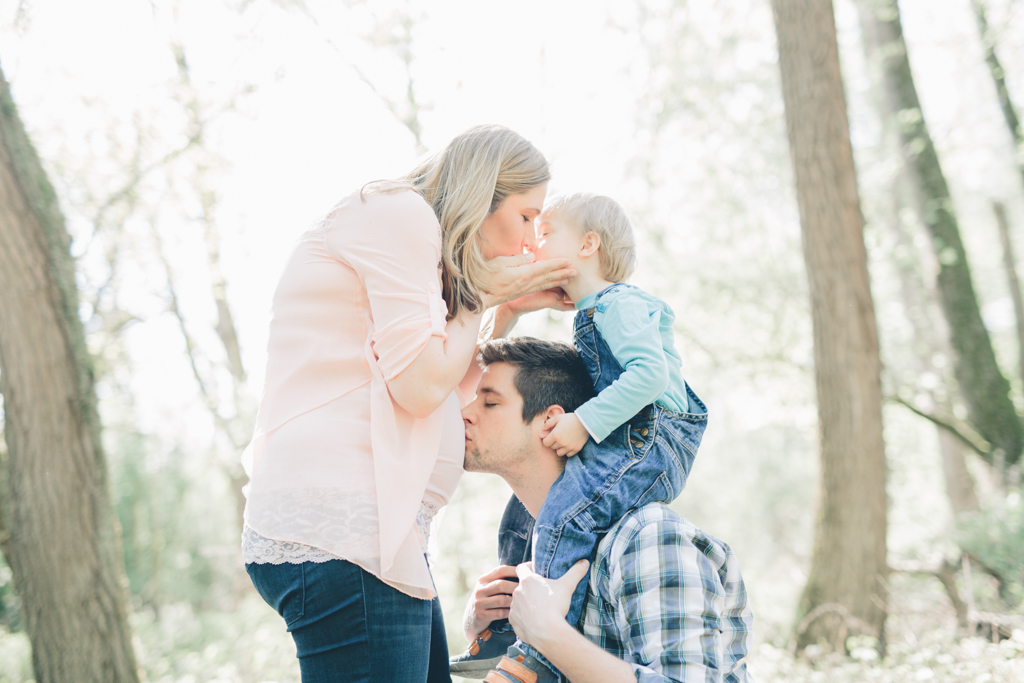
x=665, y=601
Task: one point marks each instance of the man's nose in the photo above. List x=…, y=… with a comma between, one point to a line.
x=467, y=416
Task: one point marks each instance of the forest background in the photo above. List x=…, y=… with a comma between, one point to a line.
x=190, y=142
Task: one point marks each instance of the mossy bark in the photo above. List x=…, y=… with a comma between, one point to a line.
x=848, y=565
x=995, y=68
x=984, y=388
x=61, y=544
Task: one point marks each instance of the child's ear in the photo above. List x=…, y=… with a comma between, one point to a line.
x=591, y=243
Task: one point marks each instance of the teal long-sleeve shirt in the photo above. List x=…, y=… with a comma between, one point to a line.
x=638, y=330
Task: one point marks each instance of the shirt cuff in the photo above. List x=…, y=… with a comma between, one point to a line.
x=438, y=313
x=589, y=430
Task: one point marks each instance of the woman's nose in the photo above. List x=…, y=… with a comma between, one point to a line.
x=529, y=238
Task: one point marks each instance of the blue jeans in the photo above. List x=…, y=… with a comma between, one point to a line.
x=349, y=626
x=643, y=461
x=515, y=546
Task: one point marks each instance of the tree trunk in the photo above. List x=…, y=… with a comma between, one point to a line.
x=959, y=484
x=999, y=77
x=983, y=386
x=849, y=564
x=1012, y=281
x=62, y=547
x=928, y=341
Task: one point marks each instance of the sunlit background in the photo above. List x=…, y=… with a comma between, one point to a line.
x=192, y=141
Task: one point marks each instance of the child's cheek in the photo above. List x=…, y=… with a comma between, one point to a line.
x=544, y=249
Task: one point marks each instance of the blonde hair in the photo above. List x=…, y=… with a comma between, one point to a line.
x=602, y=215
x=464, y=183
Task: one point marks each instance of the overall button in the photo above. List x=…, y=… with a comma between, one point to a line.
x=637, y=444
x=644, y=431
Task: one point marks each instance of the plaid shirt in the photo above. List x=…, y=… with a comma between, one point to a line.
x=669, y=599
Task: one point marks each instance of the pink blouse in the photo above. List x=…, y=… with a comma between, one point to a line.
x=334, y=462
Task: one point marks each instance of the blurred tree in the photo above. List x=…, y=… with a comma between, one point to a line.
x=999, y=77
x=915, y=363
x=984, y=388
x=927, y=343
x=1013, y=281
x=1017, y=136
x=233, y=411
x=848, y=564
x=60, y=540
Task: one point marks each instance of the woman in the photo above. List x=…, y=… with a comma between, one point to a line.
x=359, y=438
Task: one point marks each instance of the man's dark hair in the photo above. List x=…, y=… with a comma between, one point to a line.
x=547, y=373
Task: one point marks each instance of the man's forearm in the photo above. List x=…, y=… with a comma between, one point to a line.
x=581, y=660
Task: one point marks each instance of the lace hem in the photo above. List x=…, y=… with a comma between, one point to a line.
x=423, y=521
x=257, y=549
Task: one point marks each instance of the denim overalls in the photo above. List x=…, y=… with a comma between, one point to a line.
x=645, y=460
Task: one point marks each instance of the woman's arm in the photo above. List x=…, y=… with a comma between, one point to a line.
x=502, y=321
x=434, y=374
x=448, y=362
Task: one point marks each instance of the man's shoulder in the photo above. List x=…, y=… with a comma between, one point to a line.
x=647, y=518
x=656, y=525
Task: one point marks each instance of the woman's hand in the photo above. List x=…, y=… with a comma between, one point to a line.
x=539, y=605
x=554, y=298
x=513, y=277
x=490, y=600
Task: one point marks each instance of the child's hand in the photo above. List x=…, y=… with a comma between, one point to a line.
x=565, y=434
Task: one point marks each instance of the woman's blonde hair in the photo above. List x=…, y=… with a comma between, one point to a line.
x=464, y=183
x=602, y=215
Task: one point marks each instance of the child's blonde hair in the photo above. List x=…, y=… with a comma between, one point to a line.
x=604, y=216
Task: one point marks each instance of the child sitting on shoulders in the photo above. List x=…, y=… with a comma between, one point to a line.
x=635, y=441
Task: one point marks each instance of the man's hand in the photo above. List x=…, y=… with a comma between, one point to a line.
x=564, y=433
x=539, y=605
x=490, y=600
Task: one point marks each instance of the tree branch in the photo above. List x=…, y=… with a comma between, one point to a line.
x=971, y=439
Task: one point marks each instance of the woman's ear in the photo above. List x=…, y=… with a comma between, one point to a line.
x=591, y=243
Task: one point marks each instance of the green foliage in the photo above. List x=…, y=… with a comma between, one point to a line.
x=10, y=603
x=995, y=536
x=176, y=531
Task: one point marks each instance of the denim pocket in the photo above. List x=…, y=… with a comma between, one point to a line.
x=283, y=586
x=638, y=439
x=659, y=492
x=684, y=434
